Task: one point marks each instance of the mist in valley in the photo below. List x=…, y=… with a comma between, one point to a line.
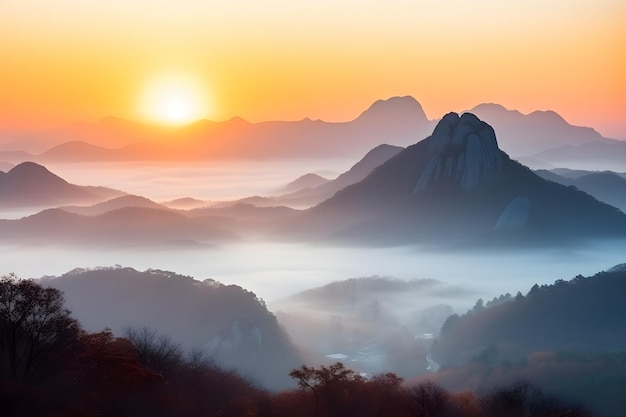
x=279, y=272
x=374, y=331
x=226, y=260
x=312, y=209
x=211, y=181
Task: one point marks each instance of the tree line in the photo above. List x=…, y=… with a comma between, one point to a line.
x=50, y=366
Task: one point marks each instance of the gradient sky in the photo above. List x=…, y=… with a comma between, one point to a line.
x=63, y=61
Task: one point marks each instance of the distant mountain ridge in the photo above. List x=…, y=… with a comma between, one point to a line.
x=396, y=120
x=310, y=181
x=310, y=196
x=598, y=154
x=114, y=204
x=608, y=187
x=31, y=185
x=528, y=134
x=374, y=158
x=457, y=187
x=399, y=121
x=124, y=226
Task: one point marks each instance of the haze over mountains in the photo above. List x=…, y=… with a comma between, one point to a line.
x=458, y=187
x=231, y=325
x=397, y=121
x=566, y=337
x=454, y=198
x=526, y=134
x=591, y=155
x=32, y=185
x=311, y=189
x=454, y=188
x=608, y=187
x=377, y=323
x=548, y=317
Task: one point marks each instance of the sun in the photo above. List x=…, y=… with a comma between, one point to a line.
x=174, y=99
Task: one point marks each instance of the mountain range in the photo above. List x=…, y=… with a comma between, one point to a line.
x=396, y=120
x=608, y=187
x=32, y=185
x=529, y=134
x=309, y=189
x=454, y=188
x=399, y=121
x=126, y=226
x=591, y=155
x=457, y=187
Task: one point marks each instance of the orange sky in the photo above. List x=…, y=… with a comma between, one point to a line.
x=63, y=61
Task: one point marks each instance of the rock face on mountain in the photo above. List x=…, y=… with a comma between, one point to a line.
x=461, y=148
x=240, y=333
x=456, y=187
x=515, y=215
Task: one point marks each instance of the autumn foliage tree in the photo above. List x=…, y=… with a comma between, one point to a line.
x=338, y=391
x=50, y=367
x=35, y=329
x=156, y=351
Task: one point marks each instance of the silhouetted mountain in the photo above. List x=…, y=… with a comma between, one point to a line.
x=186, y=203
x=125, y=226
x=307, y=197
x=340, y=295
x=231, y=324
x=360, y=170
x=356, y=173
x=305, y=181
x=245, y=219
x=575, y=173
x=79, y=151
x=457, y=187
x=608, y=187
x=114, y=204
x=16, y=157
x=584, y=315
x=398, y=120
x=32, y=185
x=109, y=132
x=527, y=134
x=598, y=154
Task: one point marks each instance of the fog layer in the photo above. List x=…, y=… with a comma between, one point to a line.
x=274, y=271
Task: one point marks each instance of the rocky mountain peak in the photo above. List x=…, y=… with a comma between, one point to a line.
x=462, y=148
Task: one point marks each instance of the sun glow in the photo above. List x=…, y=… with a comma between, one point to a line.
x=174, y=99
